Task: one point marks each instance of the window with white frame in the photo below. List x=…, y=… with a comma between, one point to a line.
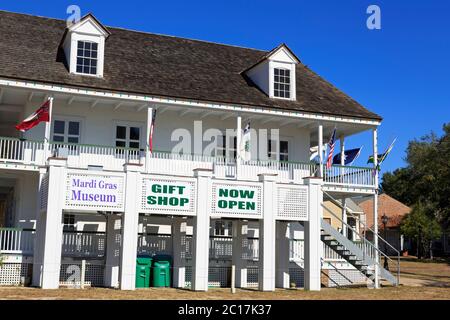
x=223, y=228
x=87, y=57
x=69, y=222
x=225, y=148
x=128, y=136
x=282, y=83
x=280, y=153
x=66, y=131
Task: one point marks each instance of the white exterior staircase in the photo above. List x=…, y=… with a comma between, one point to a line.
x=353, y=254
x=362, y=256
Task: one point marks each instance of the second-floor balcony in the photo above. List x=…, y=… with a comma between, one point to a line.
x=31, y=154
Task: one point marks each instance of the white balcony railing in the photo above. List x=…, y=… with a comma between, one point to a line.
x=16, y=241
x=21, y=151
x=349, y=176
x=113, y=158
x=83, y=244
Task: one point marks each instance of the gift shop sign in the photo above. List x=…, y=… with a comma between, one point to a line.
x=162, y=195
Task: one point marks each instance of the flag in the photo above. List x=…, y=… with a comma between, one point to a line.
x=331, y=144
x=382, y=157
x=40, y=115
x=152, y=128
x=349, y=156
x=245, y=143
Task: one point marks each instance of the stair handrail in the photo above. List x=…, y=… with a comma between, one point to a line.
x=336, y=202
x=370, y=244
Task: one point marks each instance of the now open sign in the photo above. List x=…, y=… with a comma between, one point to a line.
x=236, y=199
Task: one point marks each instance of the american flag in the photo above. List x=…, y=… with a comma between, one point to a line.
x=152, y=128
x=331, y=145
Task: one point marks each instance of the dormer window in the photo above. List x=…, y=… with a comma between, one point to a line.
x=275, y=72
x=87, y=55
x=282, y=83
x=84, y=47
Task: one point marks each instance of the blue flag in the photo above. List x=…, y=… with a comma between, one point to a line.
x=349, y=156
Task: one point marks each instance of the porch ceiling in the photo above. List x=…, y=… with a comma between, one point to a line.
x=14, y=100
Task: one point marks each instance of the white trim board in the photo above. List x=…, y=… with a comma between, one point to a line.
x=174, y=101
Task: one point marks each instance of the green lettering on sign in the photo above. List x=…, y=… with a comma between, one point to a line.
x=238, y=199
x=167, y=195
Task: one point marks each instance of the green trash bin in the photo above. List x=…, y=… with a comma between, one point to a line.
x=143, y=267
x=161, y=274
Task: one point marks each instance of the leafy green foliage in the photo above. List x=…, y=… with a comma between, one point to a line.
x=424, y=184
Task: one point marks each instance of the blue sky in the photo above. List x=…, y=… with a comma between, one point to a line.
x=401, y=72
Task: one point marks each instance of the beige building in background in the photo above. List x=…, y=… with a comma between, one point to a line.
x=355, y=217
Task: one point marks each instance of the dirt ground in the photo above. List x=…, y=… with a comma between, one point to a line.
x=419, y=280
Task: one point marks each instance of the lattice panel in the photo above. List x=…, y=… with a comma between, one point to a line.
x=43, y=192
x=70, y=272
x=252, y=277
x=341, y=278
x=188, y=277
x=15, y=274
x=174, y=196
x=94, y=192
x=219, y=277
x=236, y=200
x=292, y=203
x=297, y=276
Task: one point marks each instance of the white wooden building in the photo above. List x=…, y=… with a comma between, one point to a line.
x=94, y=192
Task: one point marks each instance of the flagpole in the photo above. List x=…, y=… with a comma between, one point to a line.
x=48, y=126
x=238, y=145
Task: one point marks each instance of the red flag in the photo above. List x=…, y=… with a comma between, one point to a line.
x=40, y=115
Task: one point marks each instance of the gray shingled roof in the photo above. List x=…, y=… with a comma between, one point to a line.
x=151, y=64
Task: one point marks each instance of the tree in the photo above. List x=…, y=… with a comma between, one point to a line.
x=424, y=180
x=420, y=226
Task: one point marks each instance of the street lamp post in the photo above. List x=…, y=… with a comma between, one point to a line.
x=384, y=220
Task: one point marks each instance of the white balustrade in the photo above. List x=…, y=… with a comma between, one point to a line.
x=151, y=244
x=21, y=151
x=113, y=158
x=349, y=176
x=16, y=241
x=83, y=244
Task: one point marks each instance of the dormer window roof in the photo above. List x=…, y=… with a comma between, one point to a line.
x=84, y=46
x=274, y=73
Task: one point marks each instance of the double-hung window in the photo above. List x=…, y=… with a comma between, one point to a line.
x=278, y=152
x=66, y=131
x=226, y=148
x=128, y=136
x=69, y=222
x=282, y=83
x=223, y=228
x=87, y=57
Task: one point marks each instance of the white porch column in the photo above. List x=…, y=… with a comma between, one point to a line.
x=38, y=238
x=147, y=139
x=375, y=206
x=313, y=243
x=201, y=230
x=282, y=255
x=344, y=209
x=239, y=263
x=49, y=228
x=267, y=234
x=179, y=251
x=320, y=149
x=238, y=145
x=130, y=223
x=112, y=257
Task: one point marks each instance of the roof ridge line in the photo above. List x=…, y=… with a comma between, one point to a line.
x=140, y=31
